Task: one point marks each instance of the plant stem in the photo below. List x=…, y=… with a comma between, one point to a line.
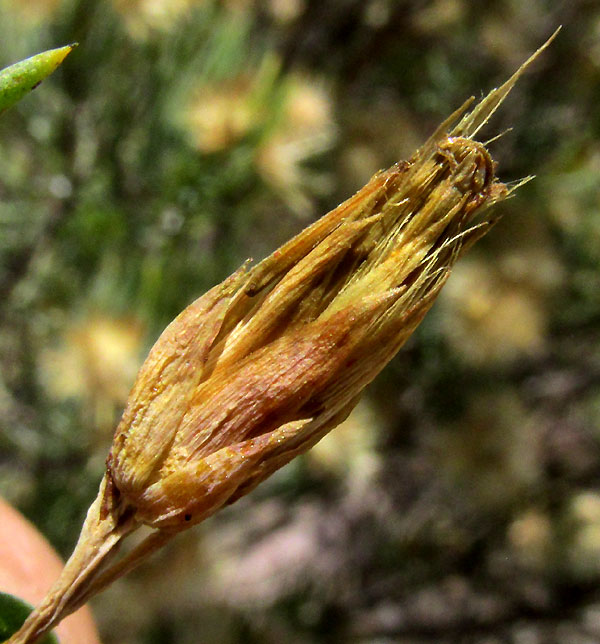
x=100, y=537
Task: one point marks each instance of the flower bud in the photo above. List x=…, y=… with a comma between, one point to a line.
x=261, y=367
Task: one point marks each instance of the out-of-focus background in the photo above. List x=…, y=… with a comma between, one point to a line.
x=461, y=501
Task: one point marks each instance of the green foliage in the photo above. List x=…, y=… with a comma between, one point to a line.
x=21, y=78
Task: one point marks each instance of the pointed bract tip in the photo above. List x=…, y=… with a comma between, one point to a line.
x=471, y=123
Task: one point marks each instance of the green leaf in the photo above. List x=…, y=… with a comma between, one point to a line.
x=13, y=612
x=20, y=78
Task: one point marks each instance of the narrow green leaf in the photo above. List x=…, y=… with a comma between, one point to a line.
x=13, y=612
x=20, y=78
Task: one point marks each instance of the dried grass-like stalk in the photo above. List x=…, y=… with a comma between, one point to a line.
x=262, y=366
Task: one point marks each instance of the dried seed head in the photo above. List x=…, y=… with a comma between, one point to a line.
x=262, y=366
x=257, y=370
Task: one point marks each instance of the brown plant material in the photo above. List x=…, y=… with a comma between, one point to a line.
x=262, y=366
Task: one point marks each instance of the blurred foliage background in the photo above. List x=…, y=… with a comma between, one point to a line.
x=461, y=501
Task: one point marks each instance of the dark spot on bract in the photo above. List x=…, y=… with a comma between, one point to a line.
x=251, y=289
x=188, y=517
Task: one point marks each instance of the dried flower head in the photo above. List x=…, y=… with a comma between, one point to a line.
x=219, y=116
x=141, y=17
x=305, y=128
x=95, y=362
x=260, y=368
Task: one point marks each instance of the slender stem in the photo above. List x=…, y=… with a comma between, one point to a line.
x=127, y=563
x=100, y=536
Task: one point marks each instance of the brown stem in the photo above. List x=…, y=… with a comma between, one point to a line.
x=101, y=534
x=131, y=560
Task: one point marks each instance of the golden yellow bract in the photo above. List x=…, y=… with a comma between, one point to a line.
x=260, y=368
x=253, y=373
